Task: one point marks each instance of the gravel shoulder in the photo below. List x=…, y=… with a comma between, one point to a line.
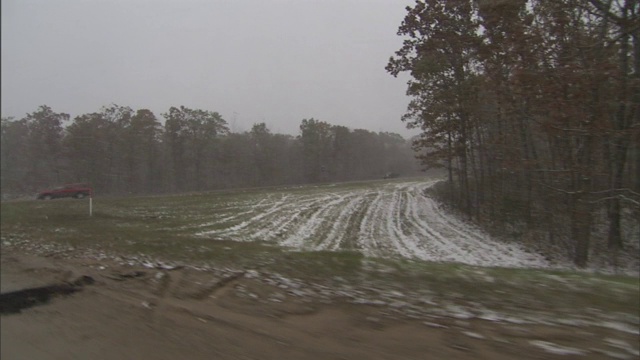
x=135, y=311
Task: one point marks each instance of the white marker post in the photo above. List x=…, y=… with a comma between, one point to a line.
x=90, y=205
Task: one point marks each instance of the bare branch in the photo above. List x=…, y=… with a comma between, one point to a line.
x=605, y=10
x=619, y=197
x=559, y=190
x=617, y=190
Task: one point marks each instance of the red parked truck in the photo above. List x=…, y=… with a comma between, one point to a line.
x=77, y=191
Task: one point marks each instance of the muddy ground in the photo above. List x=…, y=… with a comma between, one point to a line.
x=140, y=312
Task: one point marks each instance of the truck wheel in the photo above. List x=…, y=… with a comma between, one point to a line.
x=47, y=197
x=79, y=195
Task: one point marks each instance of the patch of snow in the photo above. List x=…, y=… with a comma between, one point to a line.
x=620, y=327
x=556, y=349
x=474, y=335
x=489, y=315
x=622, y=345
x=434, y=325
x=251, y=274
x=457, y=312
x=368, y=302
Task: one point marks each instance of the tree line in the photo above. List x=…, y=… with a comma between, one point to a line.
x=121, y=151
x=533, y=107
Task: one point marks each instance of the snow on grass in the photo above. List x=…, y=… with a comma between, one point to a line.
x=378, y=219
x=622, y=345
x=340, y=226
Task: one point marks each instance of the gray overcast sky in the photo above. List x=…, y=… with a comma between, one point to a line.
x=273, y=61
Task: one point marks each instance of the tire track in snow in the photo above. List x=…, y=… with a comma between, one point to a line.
x=414, y=240
x=415, y=227
x=394, y=232
x=274, y=207
x=308, y=228
x=340, y=227
x=366, y=239
x=436, y=245
x=394, y=219
x=468, y=244
x=283, y=221
x=431, y=241
x=476, y=243
x=385, y=229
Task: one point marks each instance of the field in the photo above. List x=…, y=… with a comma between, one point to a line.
x=379, y=257
x=377, y=219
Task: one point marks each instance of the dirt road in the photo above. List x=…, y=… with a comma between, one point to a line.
x=134, y=312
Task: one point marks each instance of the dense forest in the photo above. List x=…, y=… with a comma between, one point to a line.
x=120, y=151
x=533, y=107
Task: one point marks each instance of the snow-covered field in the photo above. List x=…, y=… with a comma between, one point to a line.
x=378, y=219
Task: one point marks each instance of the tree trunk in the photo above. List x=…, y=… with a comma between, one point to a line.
x=619, y=159
x=581, y=230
